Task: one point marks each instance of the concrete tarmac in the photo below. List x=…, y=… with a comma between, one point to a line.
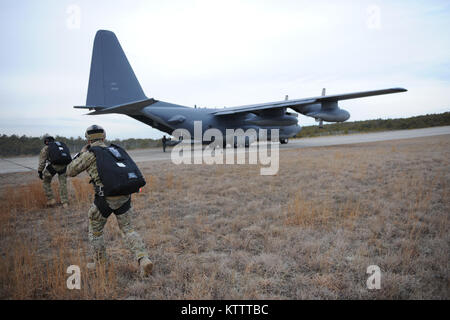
x=19, y=164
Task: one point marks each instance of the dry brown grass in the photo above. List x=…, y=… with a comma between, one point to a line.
x=225, y=232
x=82, y=191
x=24, y=197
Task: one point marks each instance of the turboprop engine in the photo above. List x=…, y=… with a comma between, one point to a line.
x=330, y=112
x=327, y=110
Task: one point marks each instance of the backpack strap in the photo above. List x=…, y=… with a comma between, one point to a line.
x=123, y=208
x=104, y=208
x=51, y=169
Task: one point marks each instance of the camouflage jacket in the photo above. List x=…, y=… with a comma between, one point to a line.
x=43, y=160
x=86, y=162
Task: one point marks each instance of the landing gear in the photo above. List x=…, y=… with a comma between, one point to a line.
x=320, y=121
x=284, y=141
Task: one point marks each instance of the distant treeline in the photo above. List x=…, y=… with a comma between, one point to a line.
x=16, y=146
x=429, y=120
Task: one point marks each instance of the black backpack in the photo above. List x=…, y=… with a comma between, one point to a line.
x=58, y=153
x=118, y=172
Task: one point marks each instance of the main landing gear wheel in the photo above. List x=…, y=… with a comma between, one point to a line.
x=284, y=141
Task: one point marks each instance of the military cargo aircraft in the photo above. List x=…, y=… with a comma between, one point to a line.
x=114, y=88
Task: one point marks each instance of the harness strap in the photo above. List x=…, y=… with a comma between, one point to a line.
x=63, y=170
x=51, y=169
x=104, y=208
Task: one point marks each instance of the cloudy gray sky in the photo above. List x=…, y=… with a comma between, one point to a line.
x=222, y=53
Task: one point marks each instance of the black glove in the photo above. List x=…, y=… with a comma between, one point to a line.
x=40, y=175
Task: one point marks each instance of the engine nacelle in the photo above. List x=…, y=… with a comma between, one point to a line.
x=334, y=115
x=330, y=112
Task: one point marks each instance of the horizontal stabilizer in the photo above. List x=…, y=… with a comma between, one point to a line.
x=133, y=108
x=88, y=107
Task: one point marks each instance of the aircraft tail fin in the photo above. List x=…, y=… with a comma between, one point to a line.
x=112, y=80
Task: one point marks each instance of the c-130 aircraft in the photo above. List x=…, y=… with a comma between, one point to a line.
x=114, y=88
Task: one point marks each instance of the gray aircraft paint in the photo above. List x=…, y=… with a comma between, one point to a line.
x=114, y=88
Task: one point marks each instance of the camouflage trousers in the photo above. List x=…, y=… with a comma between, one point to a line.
x=131, y=238
x=47, y=177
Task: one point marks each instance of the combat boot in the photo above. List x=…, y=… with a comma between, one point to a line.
x=51, y=203
x=146, y=266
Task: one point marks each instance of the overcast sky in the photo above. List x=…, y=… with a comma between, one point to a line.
x=222, y=53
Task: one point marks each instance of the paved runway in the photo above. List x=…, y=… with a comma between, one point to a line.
x=16, y=164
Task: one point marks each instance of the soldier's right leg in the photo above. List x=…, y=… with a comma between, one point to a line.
x=97, y=243
x=63, y=189
x=47, y=184
x=134, y=242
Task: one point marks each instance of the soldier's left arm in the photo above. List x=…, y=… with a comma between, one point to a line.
x=79, y=164
x=43, y=159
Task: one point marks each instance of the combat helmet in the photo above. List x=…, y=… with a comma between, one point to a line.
x=48, y=138
x=95, y=132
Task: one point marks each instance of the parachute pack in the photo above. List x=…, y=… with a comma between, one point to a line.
x=118, y=172
x=59, y=153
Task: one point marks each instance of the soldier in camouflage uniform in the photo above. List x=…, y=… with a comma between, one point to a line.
x=46, y=172
x=86, y=161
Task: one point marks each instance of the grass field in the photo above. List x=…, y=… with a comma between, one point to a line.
x=226, y=232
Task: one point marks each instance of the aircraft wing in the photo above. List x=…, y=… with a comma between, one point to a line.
x=299, y=103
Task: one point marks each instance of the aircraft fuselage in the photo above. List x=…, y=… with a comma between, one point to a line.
x=169, y=117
